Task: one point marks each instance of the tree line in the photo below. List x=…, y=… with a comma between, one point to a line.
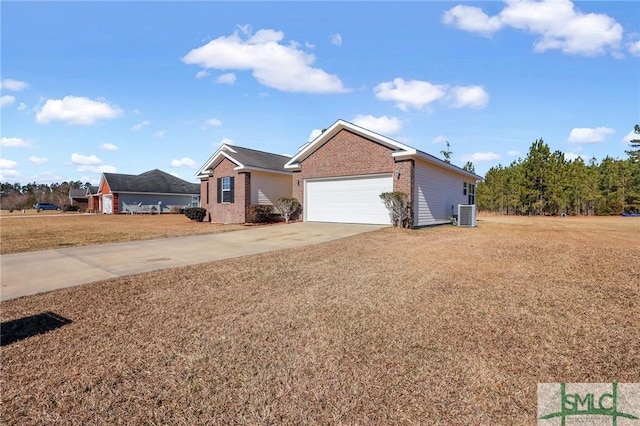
x=546, y=183
x=14, y=196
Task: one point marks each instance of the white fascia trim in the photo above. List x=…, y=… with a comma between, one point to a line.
x=332, y=131
x=409, y=153
x=202, y=172
x=259, y=169
x=102, y=180
x=428, y=158
x=292, y=166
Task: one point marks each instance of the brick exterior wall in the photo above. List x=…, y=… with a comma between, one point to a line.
x=348, y=154
x=226, y=212
x=94, y=203
x=115, y=206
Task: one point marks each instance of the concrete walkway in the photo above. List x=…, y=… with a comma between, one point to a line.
x=24, y=274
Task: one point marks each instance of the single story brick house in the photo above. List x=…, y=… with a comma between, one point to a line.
x=235, y=178
x=338, y=177
x=78, y=197
x=154, y=191
x=93, y=198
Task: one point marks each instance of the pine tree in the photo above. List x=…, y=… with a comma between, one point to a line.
x=634, y=154
x=446, y=153
x=469, y=167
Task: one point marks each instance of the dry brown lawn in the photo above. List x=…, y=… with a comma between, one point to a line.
x=436, y=326
x=50, y=230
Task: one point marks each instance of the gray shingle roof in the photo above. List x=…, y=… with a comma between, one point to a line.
x=153, y=181
x=259, y=159
x=78, y=193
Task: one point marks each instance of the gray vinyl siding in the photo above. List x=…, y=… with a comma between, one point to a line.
x=167, y=201
x=266, y=188
x=436, y=190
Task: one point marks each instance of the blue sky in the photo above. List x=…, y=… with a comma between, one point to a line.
x=92, y=87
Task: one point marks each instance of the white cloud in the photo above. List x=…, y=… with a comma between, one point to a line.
x=76, y=110
x=469, y=96
x=202, y=74
x=416, y=94
x=160, y=134
x=38, y=161
x=383, y=125
x=140, y=125
x=7, y=164
x=211, y=122
x=8, y=169
x=6, y=174
x=581, y=135
x=13, y=85
x=92, y=180
x=335, y=39
x=412, y=93
x=7, y=100
x=472, y=19
x=438, y=140
x=108, y=147
x=314, y=134
x=224, y=141
x=228, y=78
x=556, y=23
x=282, y=67
x=183, y=162
x=629, y=136
x=14, y=143
x=22, y=106
x=84, y=160
x=480, y=157
x=634, y=48
x=570, y=156
x=96, y=169
x=513, y=153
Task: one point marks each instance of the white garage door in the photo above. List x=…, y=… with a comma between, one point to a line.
x=347, y=200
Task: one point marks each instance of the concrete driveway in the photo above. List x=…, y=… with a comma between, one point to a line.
x=24, y=274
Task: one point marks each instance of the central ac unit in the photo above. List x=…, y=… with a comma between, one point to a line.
x=467, y=215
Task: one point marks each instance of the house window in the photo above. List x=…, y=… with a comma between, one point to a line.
x=472, y=193
x=464, y=188
x=225, y=189
x=207, y=192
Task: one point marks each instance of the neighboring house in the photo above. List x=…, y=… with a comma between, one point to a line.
x=339, y=176
x=93, y=198
x=151, y=192
x=78, y=197
x=234, y=178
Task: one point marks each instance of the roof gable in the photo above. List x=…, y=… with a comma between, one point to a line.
x=154, y=181
x=246, y=159
x=309, y=148
x=399, y=150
